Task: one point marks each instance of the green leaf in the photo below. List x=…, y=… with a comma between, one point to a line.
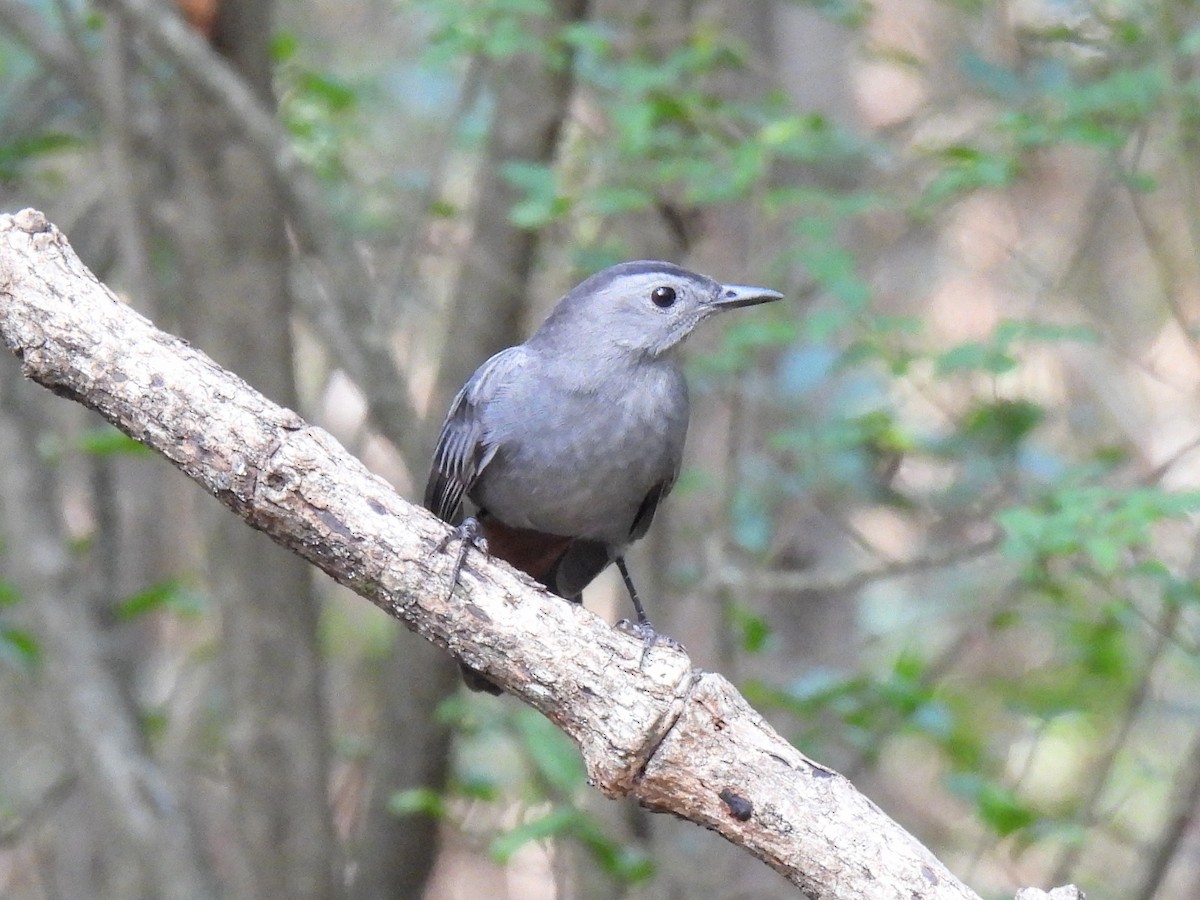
x=542, y=203
x=1102, y=524
x=558, y=821
x=590, y=36
x=443, y=209
x=1004, y=812
x=837, y=271
x=619, y=199
x=1002, y=425
x=753, y=630
x=9, y=595
x=1104, y=647
x=964, y=169
x=974, y=356
x=106, y=440
x=1182, y=591
x=154, y=722
x=1141, y=182
x=19, y=648
x=417, y=801
x=629, y=864
x=556, y=759
x=477, y=787
x=334, y=95
x=284, y=46
x=998, y=806
x=15, y=154
x=172, y=594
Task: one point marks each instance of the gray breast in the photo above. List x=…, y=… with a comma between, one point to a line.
x=579, y=459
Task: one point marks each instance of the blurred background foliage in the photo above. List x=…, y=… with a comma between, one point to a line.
x=938, y=519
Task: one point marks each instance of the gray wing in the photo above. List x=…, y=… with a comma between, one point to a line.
x=676, y=433
x=645, y=513
x=584, y=560
x=579, y=566
x=463, y=451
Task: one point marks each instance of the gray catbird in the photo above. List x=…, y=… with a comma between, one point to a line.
x=569, y=442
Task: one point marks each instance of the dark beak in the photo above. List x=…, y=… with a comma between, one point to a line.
x=733, y=296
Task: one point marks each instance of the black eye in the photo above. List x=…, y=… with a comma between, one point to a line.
x=663, y=296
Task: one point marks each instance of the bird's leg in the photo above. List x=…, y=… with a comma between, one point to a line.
x=643, y=628
x=468, y=534
x=643, y=620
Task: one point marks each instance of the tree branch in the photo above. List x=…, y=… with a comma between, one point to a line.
x=649, y=726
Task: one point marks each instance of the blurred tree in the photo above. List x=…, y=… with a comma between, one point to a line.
x=228, y=238
x=938, y=516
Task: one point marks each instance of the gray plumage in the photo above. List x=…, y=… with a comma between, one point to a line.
x=579, y=432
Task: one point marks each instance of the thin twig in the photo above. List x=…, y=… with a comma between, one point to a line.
x=743, y=580
x=1088, y=814
x=440, y=156
x=57, y=56
x=1186, y=791
x=52, y=798
x=313, y=228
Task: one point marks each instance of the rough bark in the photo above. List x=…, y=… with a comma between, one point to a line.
x=649, y=725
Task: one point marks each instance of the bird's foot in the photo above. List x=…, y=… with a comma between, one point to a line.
x=649, y=636
x=469, y=534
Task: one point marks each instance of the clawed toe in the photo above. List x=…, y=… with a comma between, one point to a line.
x=469, y=534
x=648, y=635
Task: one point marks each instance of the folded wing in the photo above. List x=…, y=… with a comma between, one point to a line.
x=463, y=449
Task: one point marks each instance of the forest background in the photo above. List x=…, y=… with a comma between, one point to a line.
x=937, y=518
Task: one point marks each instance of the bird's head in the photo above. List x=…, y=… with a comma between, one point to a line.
x=643, y=308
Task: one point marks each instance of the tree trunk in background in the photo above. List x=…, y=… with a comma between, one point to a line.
x=809, y=57
x=120, y=827
x=488, y=309
x=411, y=750
x=131, y=549
x=491, y=296
x=88, y=849
x=813, y=57
x=232, y=247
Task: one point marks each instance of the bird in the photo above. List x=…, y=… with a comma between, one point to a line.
x=568, y=443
